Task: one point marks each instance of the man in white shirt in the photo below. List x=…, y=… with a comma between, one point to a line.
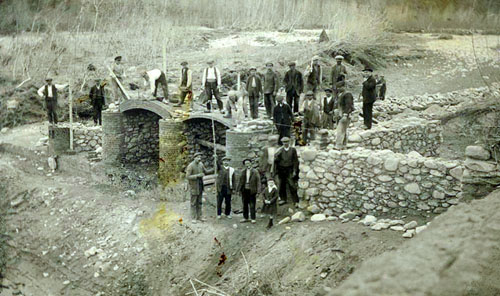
x=155, y=78
x=185, y=86
x=212, y=82
x=226, y=184
x=249, y=186
x=49, y=93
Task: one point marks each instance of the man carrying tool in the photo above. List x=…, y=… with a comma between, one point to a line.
x=155, y=78
x=120, y=75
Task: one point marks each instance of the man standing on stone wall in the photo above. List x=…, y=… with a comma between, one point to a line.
x=271, y=86
x=346, y=107
x=337, y=70
x=294, y=86
x=49, y=93
x=96, y=96
x=286, y=168
x=212, y=82
x=311, y=118
x=226, y=183
x=283, y=118
x=156, y=77
x=194, y=174
x=120, y=75
x=369, y=97
x=185, y=86
x=249, y=186
x=254, y=89
x=314, y=75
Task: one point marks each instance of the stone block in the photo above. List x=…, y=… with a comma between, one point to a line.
x=477, y=152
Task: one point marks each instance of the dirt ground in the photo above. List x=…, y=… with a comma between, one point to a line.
x=73, y=233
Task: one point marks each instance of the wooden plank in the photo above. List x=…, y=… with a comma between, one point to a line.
x=211, y=145
x=70, y=117
x=118, y=82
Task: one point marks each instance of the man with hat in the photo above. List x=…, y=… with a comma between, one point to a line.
x=282, y=118
x=254, y=89
x=120, y=75
x=226, y=183
x=294, y=86
x=266, y=160
x=249, y=186
x=369, y=97
x=346, y=107
x=338, y=70
x=314, y=75
x=311, y=117
x=49, y=93
x=271, y=86
x=96, y=96
x=212, y=82
x=329, y=106
x=185, y=86
x=194, y=174
x=286, y=168
x=155, y=78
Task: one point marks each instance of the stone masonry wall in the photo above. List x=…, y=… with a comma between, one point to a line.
x=376, y=182
x=141, y=137
x=481, y=174
x=201, y=129
x=87, y=138
x=414, y=134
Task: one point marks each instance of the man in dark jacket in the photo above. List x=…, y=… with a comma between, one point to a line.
x=329, y=106
x=314, y=75
x=369, y=97
x=271, y=86
x=294, y=86
x=194, y=174
x=286, y=168
x=283, y=118
x=97, y=100
x=226, y=183
x=270, y=197
x=249, y=186
x=346, y=107
x=254, y=89
x=382, y=87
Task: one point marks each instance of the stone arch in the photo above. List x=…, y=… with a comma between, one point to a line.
x=159, y=108
x=220, y=119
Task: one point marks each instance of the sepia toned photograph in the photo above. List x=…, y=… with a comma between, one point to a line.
x=249, y=147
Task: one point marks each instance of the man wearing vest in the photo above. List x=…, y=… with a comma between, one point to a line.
x=185, y=86
x=49, y=93
x=254, y=89
x=226, y=183
x=156, y=77
x=271, y=86
x=294, y=86
x=329, y=106
x=97, y=100
x=286, y=167
x=249, y=186
x=212, y=82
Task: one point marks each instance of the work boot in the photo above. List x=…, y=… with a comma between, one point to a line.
x=253, y=221
x=244, y=220
x=270, y=224
x=282, y=202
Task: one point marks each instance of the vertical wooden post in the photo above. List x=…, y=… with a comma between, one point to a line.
x=70, y=118
x=239, y=81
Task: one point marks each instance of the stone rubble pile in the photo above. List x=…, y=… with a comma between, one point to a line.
x=380, y=181
x=254, y=125
x=481, y=174
x=410, y=229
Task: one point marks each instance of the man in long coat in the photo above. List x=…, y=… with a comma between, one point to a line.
x=254, y=89
x=369, y=97
x=226, y=184
x=194, y=174
x=282, y=118
x=249, y=186
x=286, y=168
x=270, y=198
x=294, y=86
x=271, y=86
x=97, y=100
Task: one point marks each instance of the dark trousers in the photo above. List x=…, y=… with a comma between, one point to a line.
x=224, y=196
x=368, y=114
x=287, y=185
x=308, y=130
x=249, y=200
x=183, y=96
x=269, y=103
x=211, y=90
x=51, y=105
x=253, y=99
x=283, y=131
x=162, y=80
x=292, y=99
x=196, y=206
x=97, y=114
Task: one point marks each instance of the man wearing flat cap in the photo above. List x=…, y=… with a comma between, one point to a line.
x=328, y=110
x=120, y=75
x=249, y=186
x=282, y=118
x=212, y=82
x=226, y=184
x=314, y=75
x=254, y=89
x=338, y=70
x=286, y=168
x=185, y=85
x=49, y=93
x=311, y=117
x=294, y=86
x=271, y=86
x=97, y=100
x=369, y=94
x=194, y=174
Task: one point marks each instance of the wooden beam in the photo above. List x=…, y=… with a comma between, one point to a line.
x=211, y=145
x=113, y=76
